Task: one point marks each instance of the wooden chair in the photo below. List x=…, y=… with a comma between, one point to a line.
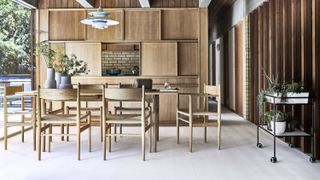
x=9, y=93
x=143, y=118
x=90, y=93
x=121, y=109
x=47, y=121
x=191, y=116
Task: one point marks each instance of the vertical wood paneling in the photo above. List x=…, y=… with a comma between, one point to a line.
x=239, y=68
x=316, y=68
x=284, y=40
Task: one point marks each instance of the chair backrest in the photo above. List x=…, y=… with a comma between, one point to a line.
x=212, y=90
x=124, y=94
x=12, y=90
x=58, y=94
x=91, y=88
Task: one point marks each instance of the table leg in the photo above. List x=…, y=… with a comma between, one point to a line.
x=155, y=112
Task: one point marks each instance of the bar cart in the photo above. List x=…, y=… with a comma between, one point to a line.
x=276, y=101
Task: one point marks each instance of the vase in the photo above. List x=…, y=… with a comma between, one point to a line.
x=50, y=83
x=65, y=82
x=58, y=78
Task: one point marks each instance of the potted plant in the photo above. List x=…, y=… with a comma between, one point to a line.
x=48, y=55
x=278, y=93
x=293, y=90
x=277, y=117
x=71, y=66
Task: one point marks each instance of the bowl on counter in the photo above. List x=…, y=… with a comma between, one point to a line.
x=113, y=72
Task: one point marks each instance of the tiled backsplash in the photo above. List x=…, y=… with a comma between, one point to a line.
x=124, y=60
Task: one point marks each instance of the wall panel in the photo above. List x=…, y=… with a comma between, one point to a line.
x=142, y=25
x=67, y=22
x=284, y=41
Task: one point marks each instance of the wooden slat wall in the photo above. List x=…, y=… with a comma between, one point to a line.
x=239, y=69
x=284, y=41
x=44, y=4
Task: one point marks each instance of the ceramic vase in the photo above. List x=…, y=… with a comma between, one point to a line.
x=65, y=82
x=50, y=83
x=58, y=78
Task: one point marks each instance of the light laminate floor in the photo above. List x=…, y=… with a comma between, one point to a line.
x=238, y=159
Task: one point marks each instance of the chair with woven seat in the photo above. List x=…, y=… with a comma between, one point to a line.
x=143, y=118
x=89, y=93
x=47, y=121
x=9, y=119
x=199, y=118
x=121, y=109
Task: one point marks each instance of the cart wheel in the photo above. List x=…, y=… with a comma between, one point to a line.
x=273, y=159
x=291, y=145
x=259, y=145
x=312, y=159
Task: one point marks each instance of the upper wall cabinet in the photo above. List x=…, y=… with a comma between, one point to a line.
x=65, y=25
x=159, y=59
x=180, y=24
x=188, y=59
x=110, y=33
x=142, y=25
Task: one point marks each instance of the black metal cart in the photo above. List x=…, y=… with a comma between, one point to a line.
x=276, y=101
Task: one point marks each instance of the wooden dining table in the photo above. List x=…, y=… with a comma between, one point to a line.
x=155, y=94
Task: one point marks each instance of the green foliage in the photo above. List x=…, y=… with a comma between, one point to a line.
x=13, y=59
x=15, y=38
x=46, y=52
x=15, y=24
x=294, y=87
x=275, y=115
x=73, y=66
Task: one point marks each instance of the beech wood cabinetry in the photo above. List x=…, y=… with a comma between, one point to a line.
x=65, y=25
x=159, y=59
x=172, y=46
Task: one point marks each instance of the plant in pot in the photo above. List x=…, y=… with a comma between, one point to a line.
x=48, y=55
x=277, y=117
x=72, y=66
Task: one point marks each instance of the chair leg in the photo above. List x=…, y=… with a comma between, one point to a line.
x=115, y=132
x=44, y=140
x=22, y=129
x=205, y=129
x=178, y=128
x=190, y=133
x=68, y=132
x=101, y=126
x=5, y=136
x=39, y=141
x=62, y=132
x=34, y=126
x=49, y=138
x=109, y=138
x=104, y=143
x=78, y=140
x=219, y=137
x=143, y=146
x=22, y=119
x=89, y=131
